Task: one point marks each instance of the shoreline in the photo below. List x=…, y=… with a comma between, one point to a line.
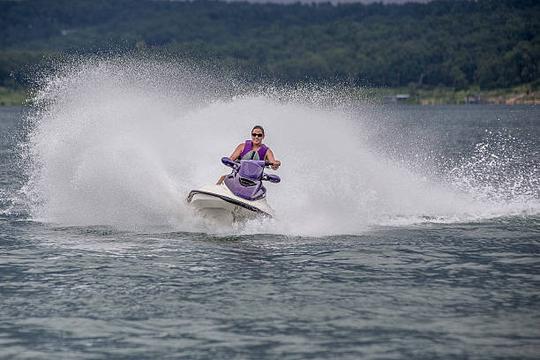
x=12, y=97
x=519, y=95
x=526, y=94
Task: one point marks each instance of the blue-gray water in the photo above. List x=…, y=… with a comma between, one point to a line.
x=422, y=289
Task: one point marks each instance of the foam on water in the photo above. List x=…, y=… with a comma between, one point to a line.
x=122, y=142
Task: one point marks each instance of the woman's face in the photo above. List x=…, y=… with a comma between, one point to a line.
x=257, y=136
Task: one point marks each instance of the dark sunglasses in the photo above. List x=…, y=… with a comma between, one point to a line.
x=257, y=135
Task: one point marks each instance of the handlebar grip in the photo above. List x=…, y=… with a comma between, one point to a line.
x=272, y=178
x=228, y=162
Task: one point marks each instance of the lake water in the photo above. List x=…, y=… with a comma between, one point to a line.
x=425, y=243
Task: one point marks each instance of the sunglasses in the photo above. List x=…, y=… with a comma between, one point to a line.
x=256, y=135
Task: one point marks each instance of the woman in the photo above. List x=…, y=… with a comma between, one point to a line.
x=254, y=149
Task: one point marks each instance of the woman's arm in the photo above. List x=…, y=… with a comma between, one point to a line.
x=270, y=157
x=236, y=153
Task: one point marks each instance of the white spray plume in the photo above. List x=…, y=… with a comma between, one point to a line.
x=122, y=142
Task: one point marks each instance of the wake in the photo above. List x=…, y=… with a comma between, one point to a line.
x=121, y=142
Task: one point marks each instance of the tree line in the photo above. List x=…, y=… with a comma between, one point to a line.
x=452, y=43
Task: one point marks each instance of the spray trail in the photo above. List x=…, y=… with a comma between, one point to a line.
x=122, y=142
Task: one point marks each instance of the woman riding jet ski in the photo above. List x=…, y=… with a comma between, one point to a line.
x=239, y=195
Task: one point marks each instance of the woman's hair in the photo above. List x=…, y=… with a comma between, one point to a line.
x=258, y=127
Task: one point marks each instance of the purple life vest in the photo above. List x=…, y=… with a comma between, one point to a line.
x=248, y=146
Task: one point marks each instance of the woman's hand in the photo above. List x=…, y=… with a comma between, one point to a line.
x=276, y=164
x=272, y=160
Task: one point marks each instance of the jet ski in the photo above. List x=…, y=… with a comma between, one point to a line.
x=241, y=196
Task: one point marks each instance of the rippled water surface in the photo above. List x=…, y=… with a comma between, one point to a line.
x=420, y=286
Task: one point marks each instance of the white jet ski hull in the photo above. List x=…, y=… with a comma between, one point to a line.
x=218, y=203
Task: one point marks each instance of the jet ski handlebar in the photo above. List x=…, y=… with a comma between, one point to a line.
x=230, y=163
x=271, y=177
x=236, y=165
